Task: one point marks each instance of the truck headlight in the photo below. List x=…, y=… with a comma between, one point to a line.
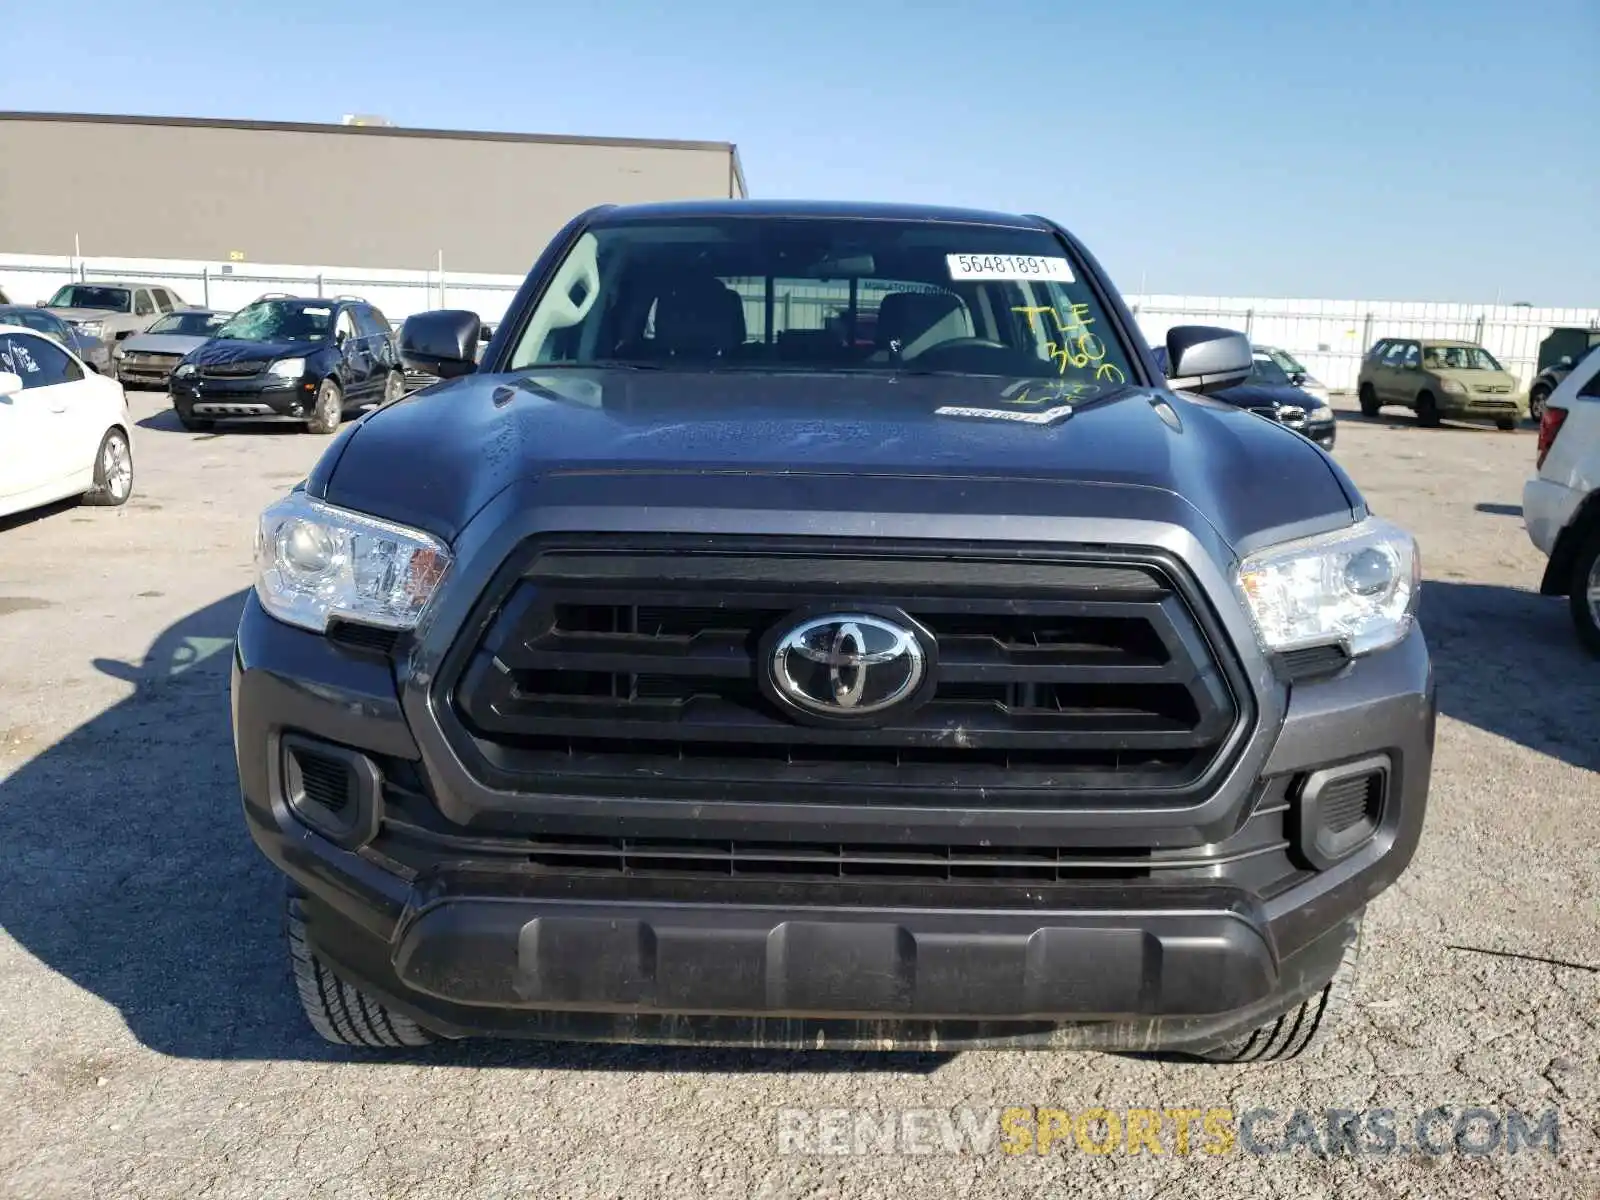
x=91, y=328
x=315, y=562
x=287, y=368
x=1357, y=587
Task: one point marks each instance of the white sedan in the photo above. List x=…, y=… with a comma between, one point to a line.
x=64, y=430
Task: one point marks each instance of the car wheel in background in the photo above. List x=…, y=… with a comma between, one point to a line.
x=1536, y=399
x=1427, y=410
x=1505, y=424
x=1584, y=592
x=394, y=386
x=113, y=471
x=1369, y=401
x=328, y=410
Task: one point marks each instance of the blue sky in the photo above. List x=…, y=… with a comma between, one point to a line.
x=1423, y=149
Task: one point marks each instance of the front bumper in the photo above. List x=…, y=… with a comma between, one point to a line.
x=1498, y=406
x=490, y=943
x=267, y=397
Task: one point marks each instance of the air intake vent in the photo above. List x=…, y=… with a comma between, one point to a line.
x=1340, y=808
x=332, y=789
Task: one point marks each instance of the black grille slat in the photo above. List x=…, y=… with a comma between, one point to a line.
x=1346, y=802
x=325, y=781
x=637, y=673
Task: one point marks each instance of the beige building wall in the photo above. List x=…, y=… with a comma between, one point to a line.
x=356, y=196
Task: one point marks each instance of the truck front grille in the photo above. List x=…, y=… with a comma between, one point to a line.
x=1059, y=675
x=233, y=370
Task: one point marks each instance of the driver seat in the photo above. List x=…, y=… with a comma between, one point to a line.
x=918, y=320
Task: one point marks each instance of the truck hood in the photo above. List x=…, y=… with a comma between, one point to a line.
x=804, y=442
x=1478, y=381
x=163, y=343
x=85, y=314
x=225, y=350
x=1266, y=395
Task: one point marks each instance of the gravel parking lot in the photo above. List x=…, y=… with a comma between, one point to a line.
x=150, y=1044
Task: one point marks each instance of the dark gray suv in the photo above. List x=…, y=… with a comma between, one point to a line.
x=821, y=625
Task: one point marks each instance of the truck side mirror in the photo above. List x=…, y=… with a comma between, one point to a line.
x=1204, y=358
x=443, y=342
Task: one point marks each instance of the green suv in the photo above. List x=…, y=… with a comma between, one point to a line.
x=1440, y=379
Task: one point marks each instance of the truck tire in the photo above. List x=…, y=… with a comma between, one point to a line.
x=1301, y=1027
x=1427, y=410
x=1369, y=401
x=342, y=1014
x=328, y=409
x=1583, y=592
x=1536, y=398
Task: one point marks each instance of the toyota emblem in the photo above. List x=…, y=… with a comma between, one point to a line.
x=847, y=665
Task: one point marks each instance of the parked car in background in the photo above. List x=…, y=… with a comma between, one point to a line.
x=290, y=358
x=1296, y=372
x=64, y=429
x=147, y=360
x=92, y=350
x=1271, y=391
x=1563, y=348
x=114, y=309
x=1438, y=378
x=1561, y=503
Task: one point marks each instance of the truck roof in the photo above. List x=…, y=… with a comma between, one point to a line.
x=844, y=210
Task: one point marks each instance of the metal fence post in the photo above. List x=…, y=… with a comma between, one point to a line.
x=1478, y=334
x=319, y=285
x=205, y=284
x=1366, y=333
x=1249, y=322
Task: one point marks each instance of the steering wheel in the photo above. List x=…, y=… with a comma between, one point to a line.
x=964, y=343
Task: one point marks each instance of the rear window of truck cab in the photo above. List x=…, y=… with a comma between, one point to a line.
x=825, y=295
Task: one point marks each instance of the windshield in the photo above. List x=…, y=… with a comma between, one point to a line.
x=825, y=295
x=1459, y=358
x=1267, y=371
x=1288, y=362
x=194, y=324
x=279, y=321
x=88, y=295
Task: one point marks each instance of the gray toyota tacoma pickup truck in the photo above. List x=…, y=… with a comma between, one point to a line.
x=823, y=626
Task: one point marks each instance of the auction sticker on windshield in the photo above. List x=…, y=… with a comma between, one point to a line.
x=1008, y=266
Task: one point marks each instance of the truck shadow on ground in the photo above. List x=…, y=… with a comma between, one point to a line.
x=1509, y=663
x=129, y=872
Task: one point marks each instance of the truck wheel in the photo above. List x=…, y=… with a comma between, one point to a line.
x=343, y=1015
x=1583, y=593
x=113, y=472
x=1505, y=424
x=1303, y=1026
x=1427, y=410
x=328, y=410
x=1369, y=401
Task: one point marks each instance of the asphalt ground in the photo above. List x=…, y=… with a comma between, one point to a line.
x=151, y=1045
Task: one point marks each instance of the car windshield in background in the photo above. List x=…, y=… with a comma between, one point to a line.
x=192, y=324
x=87, y=295
x=1267, y=371
x=279, y=321
x=1288, y=362
x=1459, y=358
x=822, y=295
